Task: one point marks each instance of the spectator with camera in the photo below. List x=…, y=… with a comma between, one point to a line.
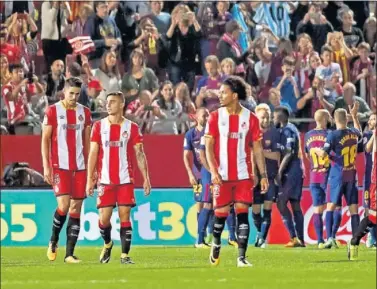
x=183, y=39
x=16, y=95
x=287, y=84
x=104, y=32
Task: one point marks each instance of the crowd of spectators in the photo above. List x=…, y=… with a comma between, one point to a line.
x=170, y=57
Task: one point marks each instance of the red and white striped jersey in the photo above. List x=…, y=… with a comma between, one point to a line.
x=16, y=109
x=233, y=136
x=374, y=156
x=67, y=143
x=116, y=143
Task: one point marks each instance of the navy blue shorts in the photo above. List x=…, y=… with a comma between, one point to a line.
x=318, y=192
x=270, y=195
x=339, y=189
x=202, y=191
x=291, y=189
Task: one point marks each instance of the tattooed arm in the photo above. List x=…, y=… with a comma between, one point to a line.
x=143, y=167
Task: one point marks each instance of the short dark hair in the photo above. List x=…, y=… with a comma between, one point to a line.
x=73, y=82
x=327, y=48
x=15, y=66
x=289, y=60
x=75, y=69
x=283, y=110
x=97, y=3
x=118, y=94
x=237, y=85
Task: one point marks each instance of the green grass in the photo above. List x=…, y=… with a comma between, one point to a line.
x=184, y=267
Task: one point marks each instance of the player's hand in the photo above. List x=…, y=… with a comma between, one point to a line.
x=147, y=187
x=264, y=185
x=354, y=109
x=47, y=175
x=216, y=178
x=256, y=180
x=90, y=183
x=193, y=180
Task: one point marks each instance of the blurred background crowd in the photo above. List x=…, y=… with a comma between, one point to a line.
x=170, y=57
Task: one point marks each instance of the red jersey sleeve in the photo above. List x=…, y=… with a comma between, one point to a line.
x=88, y=117
x=50, y=116
x=96, y=132
x=212, y=127
x=136, y=136
x=256, y=133
x=6, y=90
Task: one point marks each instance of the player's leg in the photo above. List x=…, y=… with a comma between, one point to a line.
x=73, y=227
x=73, y=230
x=62, y=190
x=243, y=199
x=222, y=198
x=335, y=199
x=266, y=223
x=126, y=201
x=106, y=202
x=256, y=212
x=352, y=200
x=319, y=199
x=231, y=224
x=206, y=201
x=298, y=217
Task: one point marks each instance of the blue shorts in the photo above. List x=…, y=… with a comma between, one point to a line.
x=318, y=192
x=339, y=189
x=291, y=189
x=270, y=196
x=202, y=192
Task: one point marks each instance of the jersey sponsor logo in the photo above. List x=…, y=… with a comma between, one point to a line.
x=61, y=116
x=71, y=126
x=235, y=135
x=114, y=143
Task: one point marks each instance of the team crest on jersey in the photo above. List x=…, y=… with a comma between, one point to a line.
x=81, y=118
x=101, y=190
x=56, y=179
x=268, y=142
x=125, y=134
x=244, y=125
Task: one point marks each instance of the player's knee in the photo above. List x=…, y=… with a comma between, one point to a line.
x=331, y=207
x=238, y=207
x=267, y=205
x=256, y=209
x=124, y=214
x=75, y=206
x=353, y=209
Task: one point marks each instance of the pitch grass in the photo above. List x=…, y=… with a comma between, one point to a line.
x=184, y=267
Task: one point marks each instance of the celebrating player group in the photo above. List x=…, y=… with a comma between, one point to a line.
x=241, y=159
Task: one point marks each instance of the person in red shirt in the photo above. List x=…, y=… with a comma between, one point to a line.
x=66, y=137
x=12, y=52
x=231, y=134
x=113, y=140
x=17, y=93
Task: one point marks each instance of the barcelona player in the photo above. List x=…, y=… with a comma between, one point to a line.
x=290, y=178
x=231, y=132
x=369, y=222
x=113, y=141
x=199, y=176
x=65, y=146
x=319, y=169
x=271, y=152
x=342, y=143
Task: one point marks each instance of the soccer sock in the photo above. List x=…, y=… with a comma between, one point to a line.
x=125, y=236
x=231, y=223
x=257, y=217
x=355, y=222
x=365, y=226
x=329, y=223
x=318, y=225
x=211, y=219
x=337, y=221
x=373, y=235
x=243, y=231
x=287, y=218
x=105, y=232
x=218, y=227
x=299, y=223
x=57, y=225
x=266, y=223
x=202, y=224
x=73, y=230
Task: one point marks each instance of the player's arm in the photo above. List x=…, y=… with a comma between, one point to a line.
x=202, y=153
x=369, y=144
x=211, y=160
x=45, y=150
x=143, y=167
x=259, y=159
x=353, y=111
x=92, y=162
x=187, y=152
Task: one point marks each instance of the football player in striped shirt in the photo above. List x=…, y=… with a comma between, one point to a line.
x=113, y=141
x=66, y=136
